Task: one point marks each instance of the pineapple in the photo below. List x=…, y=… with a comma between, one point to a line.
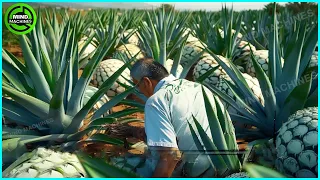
x=262, y=57
x=133, y=39
x=129, y=50
x=45, y=163
x=206, y=63
x=105, y=70
x=90, y=91
x=190, y=51
x=191, y=38
x=297, y=144
x=89, y=49
x=244, y=48
x=253, y=84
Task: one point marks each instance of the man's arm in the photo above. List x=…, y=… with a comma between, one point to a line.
x=161, y=137
x=168, y=159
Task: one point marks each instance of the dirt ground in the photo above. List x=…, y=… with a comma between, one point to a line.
x=16, y=51
x=131, y=135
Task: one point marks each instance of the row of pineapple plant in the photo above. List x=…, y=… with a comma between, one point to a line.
x=48, y=103
x=259, y=93
x=285, y=90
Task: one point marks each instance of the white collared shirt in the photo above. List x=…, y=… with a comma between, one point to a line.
x=168, y=111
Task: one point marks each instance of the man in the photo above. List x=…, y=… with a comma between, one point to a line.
x=170, y=106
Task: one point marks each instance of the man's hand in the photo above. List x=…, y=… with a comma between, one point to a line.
x=169, y=157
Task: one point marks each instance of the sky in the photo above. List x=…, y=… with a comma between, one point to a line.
x=216, y=5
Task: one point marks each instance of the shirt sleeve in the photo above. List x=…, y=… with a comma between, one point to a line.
x=159, y=129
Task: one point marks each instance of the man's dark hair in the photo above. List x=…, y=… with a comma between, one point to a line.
x=150, y=68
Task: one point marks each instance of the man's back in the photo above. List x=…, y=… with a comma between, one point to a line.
x=176, y=101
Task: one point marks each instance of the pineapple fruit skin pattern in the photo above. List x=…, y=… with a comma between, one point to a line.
x=297, y=144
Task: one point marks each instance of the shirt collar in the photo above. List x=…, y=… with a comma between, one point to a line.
x=164, y=81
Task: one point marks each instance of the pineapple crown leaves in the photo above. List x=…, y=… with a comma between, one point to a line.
x=162, y=38
x=222, y=42
x=133, y=18
x=285, y=90
x=162, y=34
x=224, y=139
x=111, y=28
x=257, y=33
x=46, y=91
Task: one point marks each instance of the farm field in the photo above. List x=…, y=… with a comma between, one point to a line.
x=71, y=108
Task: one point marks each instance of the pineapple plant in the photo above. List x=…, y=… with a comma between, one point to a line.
x=106, y=28
x=285, y=89
x=131, y=37
x=87, y=50
x=262, y=58
x=191, y=37
x=221, y=42
x=46, y=100
x=252, y=82
x=132, y=18
x=163, y=41
x=190, y=51
x=244, y=49
x=259, y=36
x=169, y=65
x=105, y=70
x=205, y=64
x=108, y=67
x=297, y=144
x=90, y=91
x=225, y=45
x=130, y=51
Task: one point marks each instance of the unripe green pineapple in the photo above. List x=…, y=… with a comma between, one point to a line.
x=297, y=144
